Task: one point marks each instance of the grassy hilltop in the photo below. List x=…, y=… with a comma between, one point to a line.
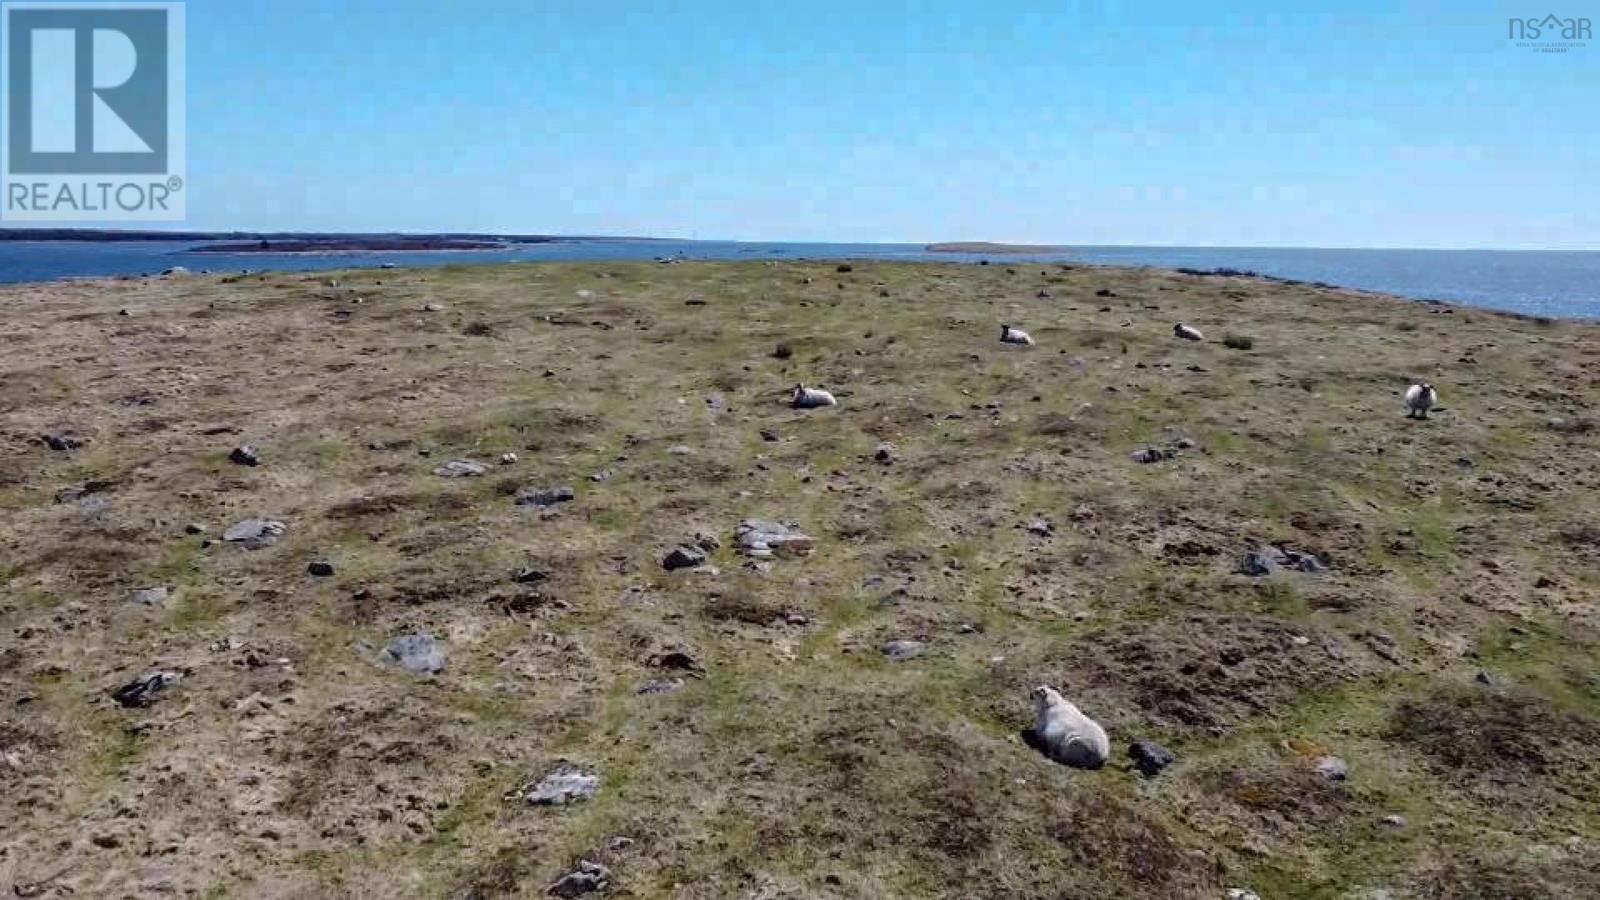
x=750, y=736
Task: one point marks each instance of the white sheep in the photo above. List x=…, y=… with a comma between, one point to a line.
x=1187, y=332
x=811, y=398
x=1419, y=399
x=1009, y=335
x=1065, y=734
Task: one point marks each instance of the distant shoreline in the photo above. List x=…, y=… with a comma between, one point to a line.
x=421, y=245
x=988, y=247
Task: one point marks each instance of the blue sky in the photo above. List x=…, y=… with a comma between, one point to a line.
x=1362, y=124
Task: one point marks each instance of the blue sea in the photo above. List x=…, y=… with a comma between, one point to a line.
x=1546, y=283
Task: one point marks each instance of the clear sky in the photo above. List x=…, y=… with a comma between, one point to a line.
x=1360, y=124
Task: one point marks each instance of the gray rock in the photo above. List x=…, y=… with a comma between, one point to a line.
x=762, y=538
x=1150, y=757
x=245, y=456
x=1333, y=768
x=681, y=450
x=1483, y=677
x=545, y=497
x=420, y=653
x=194, y=528
x=320, y=569
x=142, y=692
x=1394, y=821
x=255, y=533
x=152, y=596
x=602, y=475
x=1242, y=894
x=900, y=651
x=1266, y=560
x=564, y=784
x=587, y=878
x=1152, y=455
x=433, y=307
x=1041, y=527
x=884, y=453
x=461, y=468
x=684, y=557
x=1257, y=564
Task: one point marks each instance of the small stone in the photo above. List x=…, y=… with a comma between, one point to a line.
x=1483, y=677
x=1395, y=821
x=150, y=596
x=545, y=497
x=432, y=307
x=1333, y=768
x=529, y=575
x=797, y=619
x=587, y=878
x=681, y=450
x=884, y=453
x=707, y=542
x=660, y=686
x=763, y=538
x=1242, y=894
x=602, y=475
x=420, y=653
x=684, y=557
x=461, y=468
x=194, y=528
x=1041, y=527
x=255, y=533
x=562, y=785
x=1150, y=757
x=900, y=651
x=769, y=435
x=245, y=456
x=320, y=569
x=1257, y=564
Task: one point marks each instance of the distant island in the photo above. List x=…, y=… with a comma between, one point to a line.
x=987, y=247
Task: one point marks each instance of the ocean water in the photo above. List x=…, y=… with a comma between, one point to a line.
x=1546, y=283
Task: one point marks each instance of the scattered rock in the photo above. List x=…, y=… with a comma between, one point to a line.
x=529, y=575
x=762, y=538
x=433, y=307
x=564, y=784
x=681, y=450
x=679, y=661
x=1150, y=757
x=1483, y=677
x=65, y=442
x=845, y=268
x=1242, y=894
x=684, y=557
x=545, y=497
x=245, y=456
x=152, y=596
x=884, y=453
x=1333, y=768
x=194, y=528
x=141, y=692
x=320, y=569
x=1266, y=560
x=255, y=533
x=420, y=653
x=508, y=459
x=461, y=468
x=587, y=878
x=1152, y=455
x=769, y=435
x=602, y=475
x=1041, y=527
x=900, y=651
x=1394, y=821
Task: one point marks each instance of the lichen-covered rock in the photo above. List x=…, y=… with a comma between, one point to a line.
x=255, y=533
x=564, y=784
x=764, y=538
x=420, y=653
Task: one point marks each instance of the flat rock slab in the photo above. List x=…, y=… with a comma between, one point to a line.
x=462, y=468
x=255, y=533
x=564, y=784
x=684, y=557
x=420, y=653
x=764, y=538
x=153, y=596
x=1266, y=560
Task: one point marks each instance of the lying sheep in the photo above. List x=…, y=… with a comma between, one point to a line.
x=811, y=398
x=1009, y=335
